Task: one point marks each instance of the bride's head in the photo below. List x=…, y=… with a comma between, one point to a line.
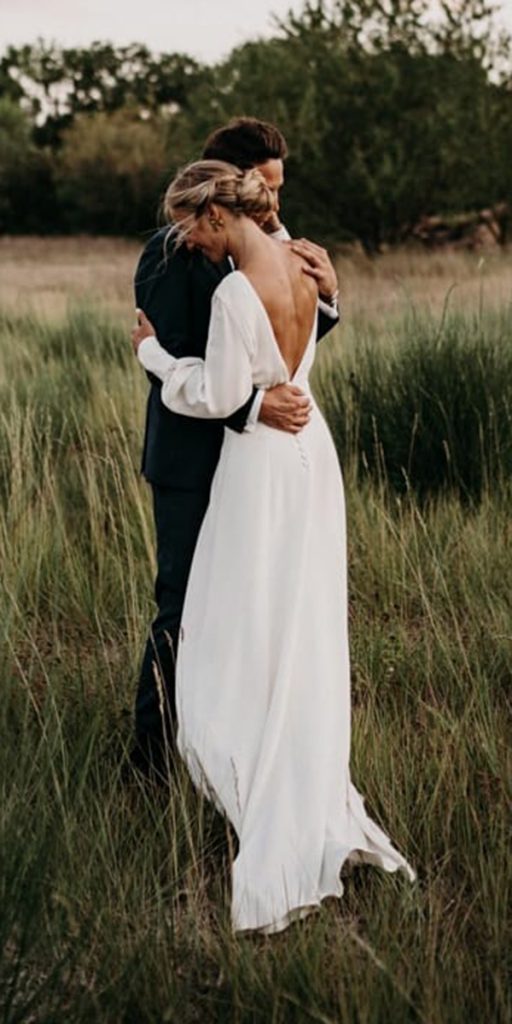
x=208, y=200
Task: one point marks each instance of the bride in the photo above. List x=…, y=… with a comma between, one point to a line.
x=263, y=682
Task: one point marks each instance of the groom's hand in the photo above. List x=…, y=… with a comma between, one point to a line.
x=318, y=265
x=285, y=407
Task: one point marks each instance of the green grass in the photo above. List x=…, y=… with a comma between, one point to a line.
x=114, y=901
x=423, y=405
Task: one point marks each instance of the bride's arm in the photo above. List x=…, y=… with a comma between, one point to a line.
x=209, y=388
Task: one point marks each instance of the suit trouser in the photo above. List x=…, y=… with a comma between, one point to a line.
x=178, y=516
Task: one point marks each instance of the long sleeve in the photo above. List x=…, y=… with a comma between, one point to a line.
x=209, y=388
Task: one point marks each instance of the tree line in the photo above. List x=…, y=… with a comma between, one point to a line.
x=390, y=115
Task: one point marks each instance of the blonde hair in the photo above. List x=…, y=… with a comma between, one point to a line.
x=204, y=182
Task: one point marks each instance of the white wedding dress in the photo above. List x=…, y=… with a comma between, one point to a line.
x=263, y=681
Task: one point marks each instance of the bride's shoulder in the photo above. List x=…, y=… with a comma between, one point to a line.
x=233, y=292
x=235, y=303
x=230, y=284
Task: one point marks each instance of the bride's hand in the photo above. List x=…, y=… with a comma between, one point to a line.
x=143, y=329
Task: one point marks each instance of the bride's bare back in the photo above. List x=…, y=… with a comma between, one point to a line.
x=289, y=296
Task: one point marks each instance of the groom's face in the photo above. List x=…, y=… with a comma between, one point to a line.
x=273, y=172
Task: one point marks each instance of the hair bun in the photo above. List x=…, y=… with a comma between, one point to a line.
x=254, y=196
x=205, y=182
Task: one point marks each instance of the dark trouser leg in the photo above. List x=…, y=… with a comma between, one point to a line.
x=178, y=517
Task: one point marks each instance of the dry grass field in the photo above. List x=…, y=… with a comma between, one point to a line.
x=44, y=273
x=114, y=901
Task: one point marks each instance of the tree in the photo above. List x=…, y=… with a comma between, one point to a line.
x=390, y=115
x=381, y=107
x=57, y=84
x=26, y=184
x=111, y=169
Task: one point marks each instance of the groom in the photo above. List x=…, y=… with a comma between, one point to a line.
x=180, y=454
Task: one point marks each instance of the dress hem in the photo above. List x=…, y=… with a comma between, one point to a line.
x=359, y=856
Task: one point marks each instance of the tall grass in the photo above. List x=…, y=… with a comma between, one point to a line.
x=114, y=900
x=429, y=409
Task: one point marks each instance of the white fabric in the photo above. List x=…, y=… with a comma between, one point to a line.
x=219, y=384
x=263, y=681
x=153, y=357
x=281, y=235
x=161, y=364
x=333, y=310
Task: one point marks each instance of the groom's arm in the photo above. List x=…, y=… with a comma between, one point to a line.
x=326, y=320
x=161, y=290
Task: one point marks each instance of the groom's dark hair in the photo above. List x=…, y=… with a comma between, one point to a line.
x=245, y=142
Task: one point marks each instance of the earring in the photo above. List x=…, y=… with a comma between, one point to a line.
x=216, y=223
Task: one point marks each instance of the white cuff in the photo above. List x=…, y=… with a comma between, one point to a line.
x=332, y=311
x=281, y=235
x=154, y=358
x=254, y=413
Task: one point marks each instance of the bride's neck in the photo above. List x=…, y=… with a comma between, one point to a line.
x=245, y=241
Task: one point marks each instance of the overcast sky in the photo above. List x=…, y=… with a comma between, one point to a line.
x=206, y=29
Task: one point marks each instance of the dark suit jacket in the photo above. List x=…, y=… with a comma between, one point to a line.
x=175, y=288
